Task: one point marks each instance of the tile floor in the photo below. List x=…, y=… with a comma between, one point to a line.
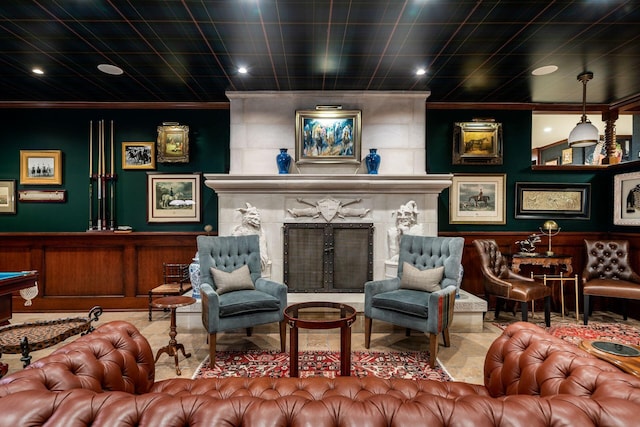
x=464, y=359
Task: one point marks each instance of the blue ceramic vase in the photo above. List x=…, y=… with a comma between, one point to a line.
x=194, y=276
x=284, y=161
x=372, y=160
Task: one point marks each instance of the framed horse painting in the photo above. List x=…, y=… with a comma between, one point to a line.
x=477, y=199
x=477, y=142
x=173, y=197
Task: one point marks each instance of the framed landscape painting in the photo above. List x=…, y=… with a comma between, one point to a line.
x=173, y=197
x=328, y=136
x=477, y=199
x=8, y=196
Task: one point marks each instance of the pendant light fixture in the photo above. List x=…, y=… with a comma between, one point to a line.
x=584, y=134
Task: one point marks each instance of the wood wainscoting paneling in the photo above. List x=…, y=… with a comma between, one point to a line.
x=80, y=270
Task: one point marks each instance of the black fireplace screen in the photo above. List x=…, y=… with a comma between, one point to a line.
x=328, y=257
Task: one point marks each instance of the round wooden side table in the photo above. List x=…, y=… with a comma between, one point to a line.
x=172, y=303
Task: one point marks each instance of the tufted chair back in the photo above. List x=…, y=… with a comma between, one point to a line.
x=607, y=260
x=492, y=259
x=430, y=252
x=228, y=253
x=608, y=273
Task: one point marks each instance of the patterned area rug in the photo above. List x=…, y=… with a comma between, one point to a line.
x=574, y=333
x=252, y=363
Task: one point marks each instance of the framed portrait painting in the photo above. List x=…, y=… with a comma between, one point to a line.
x=477, y=199
x=173, y=197
x=328, y=136
x=626, y=199
x=41, y=167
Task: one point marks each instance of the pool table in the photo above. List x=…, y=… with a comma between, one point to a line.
x=11, y=282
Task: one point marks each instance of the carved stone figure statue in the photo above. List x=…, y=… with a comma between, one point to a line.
x=329, y=208
x=406, y=223
x=251, y=225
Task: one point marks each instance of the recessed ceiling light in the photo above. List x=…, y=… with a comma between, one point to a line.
x=110, y=69
x=242, y=70
x=38, y=71
x=547, y=69
x=547, y=129
x=421, y=72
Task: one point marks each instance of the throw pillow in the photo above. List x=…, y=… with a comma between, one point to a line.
x=421, y=280
x=238, y=279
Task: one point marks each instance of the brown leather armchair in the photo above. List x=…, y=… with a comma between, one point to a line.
x=499, y=280
x=608, y=273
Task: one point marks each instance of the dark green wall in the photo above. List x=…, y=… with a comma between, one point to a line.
x=517, y=167
x=68, y=130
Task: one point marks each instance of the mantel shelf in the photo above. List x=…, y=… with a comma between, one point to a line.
x=338, y=184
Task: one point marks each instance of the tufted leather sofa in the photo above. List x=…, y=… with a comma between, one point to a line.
x=107, y=379
x=608, y=273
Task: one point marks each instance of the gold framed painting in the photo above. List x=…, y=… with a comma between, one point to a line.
x=477, y=142
x=173, y=143
x=477, y=199
x=328, y=136
x=41, y=167
x=138, y=155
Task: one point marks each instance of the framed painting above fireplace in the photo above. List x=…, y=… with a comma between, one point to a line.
x=328, y=136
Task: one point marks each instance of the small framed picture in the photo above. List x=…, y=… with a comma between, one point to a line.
x=173, y=143
x=41, y=167
x=173, y=197
x=477, y=142
x=626, y=199
x=8, y=196
x=477, y=199
x=138, y=155
x=567, y=156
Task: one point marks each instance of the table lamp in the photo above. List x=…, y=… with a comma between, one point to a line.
x=550, y=228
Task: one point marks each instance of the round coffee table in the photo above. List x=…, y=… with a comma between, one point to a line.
x=172, y=303
x=321, y=315
x=625, y=357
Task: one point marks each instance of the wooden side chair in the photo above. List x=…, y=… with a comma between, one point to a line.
x=175, y=282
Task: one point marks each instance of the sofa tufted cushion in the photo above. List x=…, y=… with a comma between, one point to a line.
x=427, y=280
x=236, y=280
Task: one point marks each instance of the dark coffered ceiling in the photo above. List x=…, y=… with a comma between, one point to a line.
x=190, y=50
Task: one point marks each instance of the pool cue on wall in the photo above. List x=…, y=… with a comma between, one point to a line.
x=112, y=186
x=90, y=174
x=104, y=177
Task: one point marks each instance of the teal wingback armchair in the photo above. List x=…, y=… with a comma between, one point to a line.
x=240, y=308
x=430, y=312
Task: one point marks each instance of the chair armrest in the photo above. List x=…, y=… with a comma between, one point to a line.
x=375, y=287
x=210, y=307
x=441, y=309
x=278, y=290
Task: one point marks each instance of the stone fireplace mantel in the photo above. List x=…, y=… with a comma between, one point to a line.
x=334, y=184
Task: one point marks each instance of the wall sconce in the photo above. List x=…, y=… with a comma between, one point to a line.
x=584, y=134
x=550, y=228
